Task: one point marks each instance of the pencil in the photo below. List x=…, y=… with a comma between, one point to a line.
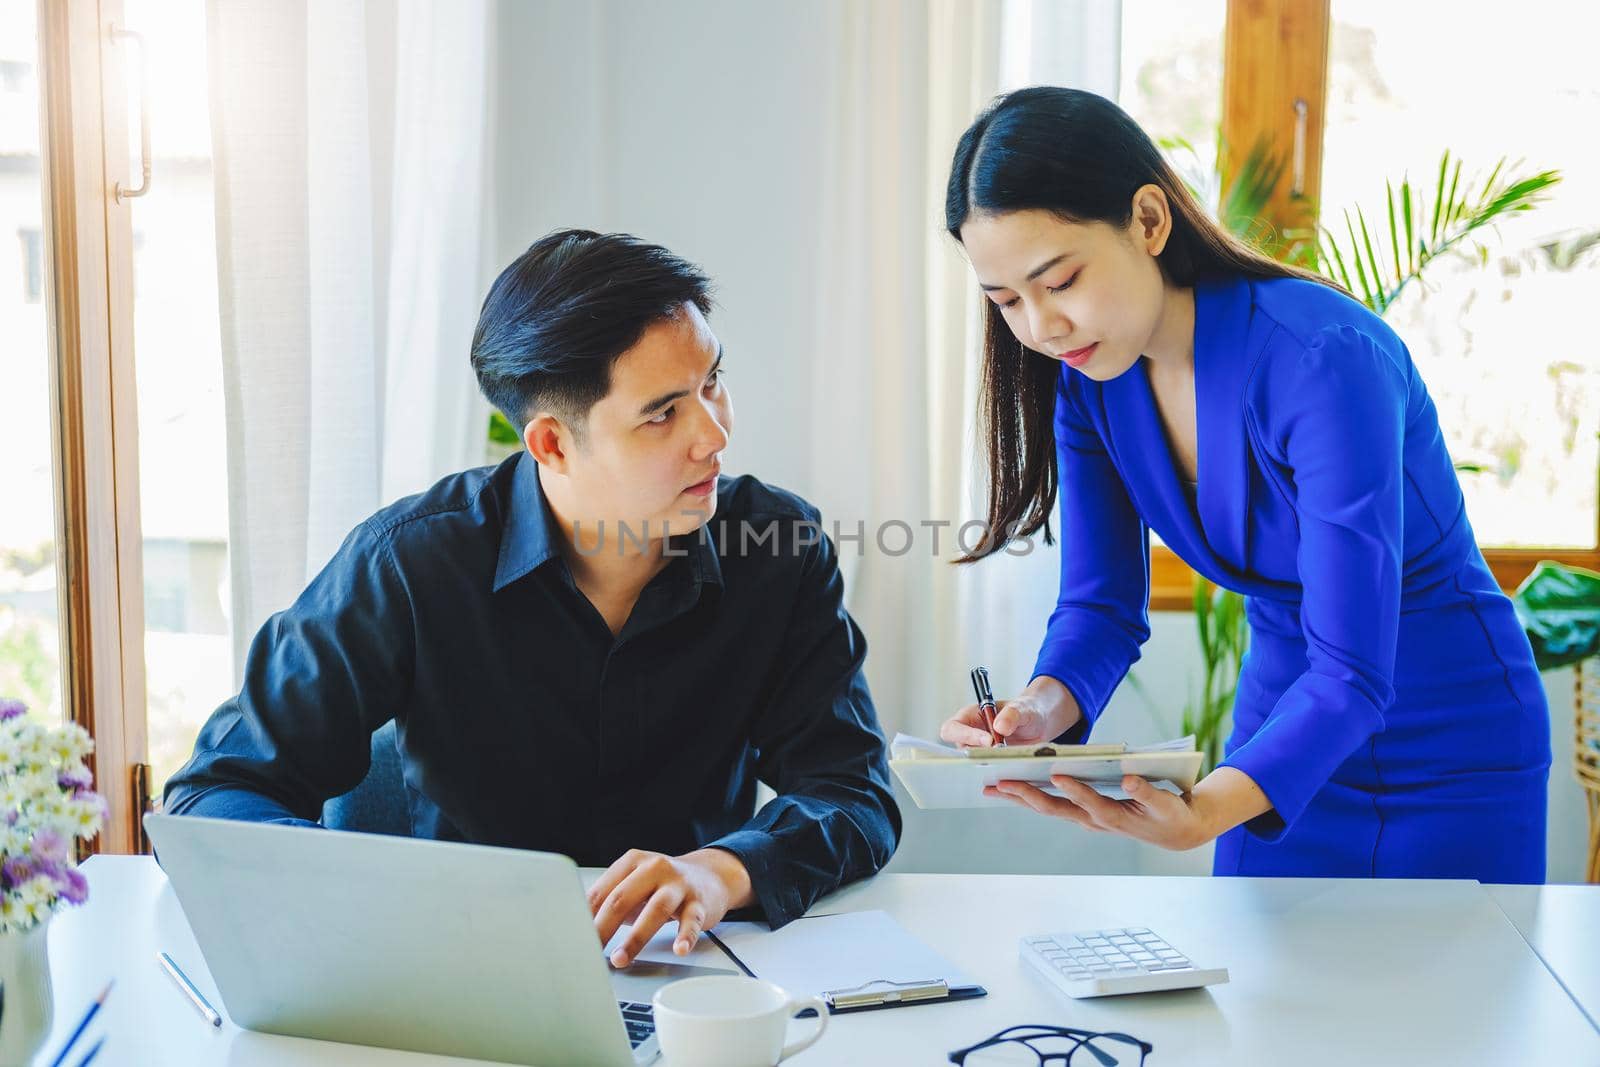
x=83, y=1024
x=201, y=1004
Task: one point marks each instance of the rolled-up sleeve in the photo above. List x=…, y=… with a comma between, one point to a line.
x=1101, y=616
x=822, y=751
x=320, y=677
x=1337, y=417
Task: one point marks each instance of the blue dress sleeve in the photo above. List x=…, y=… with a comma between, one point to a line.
x=1101, y=616
x=1335, y=417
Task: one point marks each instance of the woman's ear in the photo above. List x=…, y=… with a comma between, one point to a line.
x=548, y=441
x=1152, y=219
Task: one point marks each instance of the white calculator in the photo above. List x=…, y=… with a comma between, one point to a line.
x=1105, y=963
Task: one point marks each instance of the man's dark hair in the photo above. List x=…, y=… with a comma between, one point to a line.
x=559, y=316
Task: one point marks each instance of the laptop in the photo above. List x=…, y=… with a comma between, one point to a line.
x=431, y=946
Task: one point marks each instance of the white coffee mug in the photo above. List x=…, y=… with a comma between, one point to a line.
x=730, y=1021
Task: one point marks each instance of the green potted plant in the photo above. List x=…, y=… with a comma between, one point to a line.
x=1559, y=606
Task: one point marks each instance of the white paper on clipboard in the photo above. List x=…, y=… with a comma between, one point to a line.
x=937, y=776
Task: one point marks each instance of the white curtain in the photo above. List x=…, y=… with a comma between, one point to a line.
x=350, y=168
x=895, y=390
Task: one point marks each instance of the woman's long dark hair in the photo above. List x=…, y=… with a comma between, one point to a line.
x=1080, y=157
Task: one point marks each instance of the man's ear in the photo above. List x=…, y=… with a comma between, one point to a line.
x=549, y=441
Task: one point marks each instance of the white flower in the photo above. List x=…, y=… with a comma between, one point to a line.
x=33, y=760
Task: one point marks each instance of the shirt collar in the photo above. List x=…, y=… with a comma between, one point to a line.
x=530, y=539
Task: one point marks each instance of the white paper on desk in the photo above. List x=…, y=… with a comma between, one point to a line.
x=659, y=948
x=834, y=953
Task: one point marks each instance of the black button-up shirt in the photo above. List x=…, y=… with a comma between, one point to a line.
x=522, y=721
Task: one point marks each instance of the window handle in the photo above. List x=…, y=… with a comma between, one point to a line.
x=1297, y=186
x=121, y=191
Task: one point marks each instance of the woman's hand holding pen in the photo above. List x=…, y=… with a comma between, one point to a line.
x=1041, y=712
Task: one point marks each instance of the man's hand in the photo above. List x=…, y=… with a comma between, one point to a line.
x=649, y=889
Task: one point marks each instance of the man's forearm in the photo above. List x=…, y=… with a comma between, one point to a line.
x=229, y=801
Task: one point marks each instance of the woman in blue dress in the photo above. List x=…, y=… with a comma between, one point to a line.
x=1389, y=720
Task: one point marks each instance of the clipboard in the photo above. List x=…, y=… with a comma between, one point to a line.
x=937, y=776
x=886, y=967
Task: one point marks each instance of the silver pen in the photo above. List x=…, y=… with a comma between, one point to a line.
x=201, y=1004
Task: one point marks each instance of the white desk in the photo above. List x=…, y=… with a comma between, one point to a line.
x=1324, y=972
x=1562, y=924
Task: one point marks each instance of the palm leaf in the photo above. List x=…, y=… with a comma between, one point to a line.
x=1453, y=219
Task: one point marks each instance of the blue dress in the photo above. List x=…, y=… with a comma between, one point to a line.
x=1388, y=706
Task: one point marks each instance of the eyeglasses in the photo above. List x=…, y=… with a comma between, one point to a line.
x=1044, y=1046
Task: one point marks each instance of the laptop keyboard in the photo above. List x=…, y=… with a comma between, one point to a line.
x=641, y=1022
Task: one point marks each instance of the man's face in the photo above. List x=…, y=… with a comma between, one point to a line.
x=652, y=447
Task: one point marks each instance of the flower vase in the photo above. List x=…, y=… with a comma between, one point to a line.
x=27, y=1005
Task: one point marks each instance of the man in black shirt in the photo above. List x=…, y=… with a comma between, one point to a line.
x=595, y=648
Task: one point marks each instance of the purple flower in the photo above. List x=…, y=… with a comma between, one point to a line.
x=48, y=844
x=75, y=780
x=15, y=870
x=10, y=708
x=74, y=887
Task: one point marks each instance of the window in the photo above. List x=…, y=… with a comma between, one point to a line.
x=32, y=264
x=1509, y=364
x=30, y=625
x=1172, y=71
x=183, y=475
x=1504, y=345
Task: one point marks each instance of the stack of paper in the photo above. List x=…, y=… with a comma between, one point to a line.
x=941, y=776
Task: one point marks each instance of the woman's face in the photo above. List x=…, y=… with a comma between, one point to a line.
x=1090, y=295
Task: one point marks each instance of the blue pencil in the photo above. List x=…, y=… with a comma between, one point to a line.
x=88, y=1017
x=92, y=1053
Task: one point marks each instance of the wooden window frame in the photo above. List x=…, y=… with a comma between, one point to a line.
x=1274, y=53
x=89, y=254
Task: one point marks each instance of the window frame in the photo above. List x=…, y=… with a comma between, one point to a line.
x=88, y=247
